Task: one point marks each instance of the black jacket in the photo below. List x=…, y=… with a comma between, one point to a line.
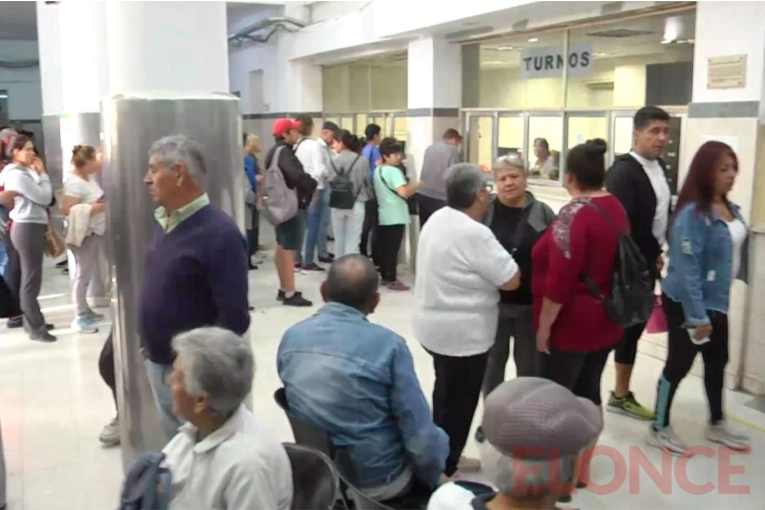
x=536, y=217
x=294, y=174
x=627, y=181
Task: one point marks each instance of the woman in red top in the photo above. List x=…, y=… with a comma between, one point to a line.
x=572, y=327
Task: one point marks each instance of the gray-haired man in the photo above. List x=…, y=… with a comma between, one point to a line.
x=196, y=266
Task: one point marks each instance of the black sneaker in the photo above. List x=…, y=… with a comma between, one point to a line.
x=297, y=299
x=312, y=268
x=252, y=267
x=15, y=322
x=280, y=295
x=251, y=308
x=62, y=264
x=328, y=258
x=46, y=337
x=479, y=435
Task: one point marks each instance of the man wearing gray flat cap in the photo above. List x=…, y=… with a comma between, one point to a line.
x=535, y=431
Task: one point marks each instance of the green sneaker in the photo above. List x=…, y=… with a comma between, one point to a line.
x=628, y=406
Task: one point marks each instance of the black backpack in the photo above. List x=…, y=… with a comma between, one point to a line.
x=632, y=290
x=341, y=194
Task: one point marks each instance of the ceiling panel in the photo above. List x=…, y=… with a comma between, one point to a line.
x=18, y=20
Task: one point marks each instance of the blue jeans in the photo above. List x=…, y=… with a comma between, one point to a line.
x=316, y=228
x=163, y=396
x=3, y=259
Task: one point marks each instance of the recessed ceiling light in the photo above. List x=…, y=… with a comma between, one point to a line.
x=533, y=39
x=601, y=54
x=493, y=62
x=504, y=48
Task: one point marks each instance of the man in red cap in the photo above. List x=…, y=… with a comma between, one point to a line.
x=288, y=234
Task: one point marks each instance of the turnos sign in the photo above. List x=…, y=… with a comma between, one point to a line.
x=548, y=62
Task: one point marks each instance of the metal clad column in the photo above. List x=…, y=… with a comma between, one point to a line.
x=168, y=74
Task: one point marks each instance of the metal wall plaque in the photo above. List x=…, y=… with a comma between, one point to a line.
x=726, y=72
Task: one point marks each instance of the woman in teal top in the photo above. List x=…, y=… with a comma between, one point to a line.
x=392, y=191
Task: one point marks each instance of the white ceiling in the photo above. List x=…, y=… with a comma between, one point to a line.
x=18, y=20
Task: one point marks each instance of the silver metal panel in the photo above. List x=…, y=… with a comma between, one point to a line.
x=131, y=125
x=79, y=129
x=52, y=148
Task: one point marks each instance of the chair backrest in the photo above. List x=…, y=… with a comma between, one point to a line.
x=305, y=432
x=315, y=483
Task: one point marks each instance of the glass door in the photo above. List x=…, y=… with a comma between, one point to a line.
x=481, y=139
x=621, y=138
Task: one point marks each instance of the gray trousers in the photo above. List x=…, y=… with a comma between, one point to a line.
x=86, y=268
x=29, y=241
x=516, y=322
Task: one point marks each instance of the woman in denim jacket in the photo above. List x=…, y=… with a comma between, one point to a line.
x=708, y=245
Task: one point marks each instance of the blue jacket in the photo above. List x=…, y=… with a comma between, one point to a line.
x=356, y=380
x=699, y=275
x=251, y=169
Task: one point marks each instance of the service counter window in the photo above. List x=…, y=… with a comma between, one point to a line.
x=544, y=147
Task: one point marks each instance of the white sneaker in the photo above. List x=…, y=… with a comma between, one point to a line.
x=667, y=440
x=723, y=433
x=110, y=435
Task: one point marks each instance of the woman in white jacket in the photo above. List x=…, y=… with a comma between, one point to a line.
x=26, y=176
x=83, y=205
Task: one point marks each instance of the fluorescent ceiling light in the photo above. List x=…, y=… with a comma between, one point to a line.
x=504, y=48
x=533, y=39
x=601, y=54
x=493, y=62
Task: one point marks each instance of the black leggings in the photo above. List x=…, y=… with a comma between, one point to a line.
x=387, y=242
x=106, y=365
x=368, y=231
x=580, y=372
x=680, y=355
x=626, y=350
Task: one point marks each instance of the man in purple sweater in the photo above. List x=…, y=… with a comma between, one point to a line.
x=196, y=266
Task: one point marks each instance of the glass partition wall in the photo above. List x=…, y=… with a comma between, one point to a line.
x=392, y=123
x=544, y=93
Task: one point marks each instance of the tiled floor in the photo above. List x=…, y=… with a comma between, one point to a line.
x=53, y=405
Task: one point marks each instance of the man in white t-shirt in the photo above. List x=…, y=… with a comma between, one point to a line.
x=316, y=157
x=639, y=181
x=460, y=268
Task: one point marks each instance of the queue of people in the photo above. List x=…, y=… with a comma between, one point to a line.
x=489, y=268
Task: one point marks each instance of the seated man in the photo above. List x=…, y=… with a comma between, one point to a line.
x=356, y=380
x=223, y=457
x=535, y=431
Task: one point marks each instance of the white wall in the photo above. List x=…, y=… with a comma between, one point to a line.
x=23, y=85
x=363, y=88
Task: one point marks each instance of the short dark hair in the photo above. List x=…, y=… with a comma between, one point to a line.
x=390, y=146
x=452, y=134
x=306, y=124
x=371, y=131
x=352, y=281
x=646, y=115
x=587, y=164
x=331, y=126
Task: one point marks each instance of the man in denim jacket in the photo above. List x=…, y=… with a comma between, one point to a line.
x=356, y=381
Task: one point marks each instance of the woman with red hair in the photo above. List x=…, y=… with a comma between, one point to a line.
x=708, y=245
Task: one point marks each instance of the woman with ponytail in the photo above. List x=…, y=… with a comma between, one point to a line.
x=25, y=176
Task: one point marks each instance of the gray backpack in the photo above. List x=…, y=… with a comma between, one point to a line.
x=280, y=202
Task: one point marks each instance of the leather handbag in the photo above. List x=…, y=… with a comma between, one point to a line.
x=54, y=243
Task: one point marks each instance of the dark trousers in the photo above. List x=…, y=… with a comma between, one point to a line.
x=106, y=366
x=625, y=351
x=13, y=271
x=368, y=231
x=387, y=243
x=427, y=207
x=516, y=322
x=253, y=232
x=680, y=355
x=455, y=396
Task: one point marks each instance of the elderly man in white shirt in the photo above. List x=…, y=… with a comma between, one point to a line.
x=316, y=157
x=223, y=457
x=461, y=266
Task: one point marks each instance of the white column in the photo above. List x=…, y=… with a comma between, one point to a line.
x=727, y=29
x=435, y=74
x=173, y=46
x=49, y=42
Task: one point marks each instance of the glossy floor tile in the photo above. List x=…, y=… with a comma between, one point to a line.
x=53, y=405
